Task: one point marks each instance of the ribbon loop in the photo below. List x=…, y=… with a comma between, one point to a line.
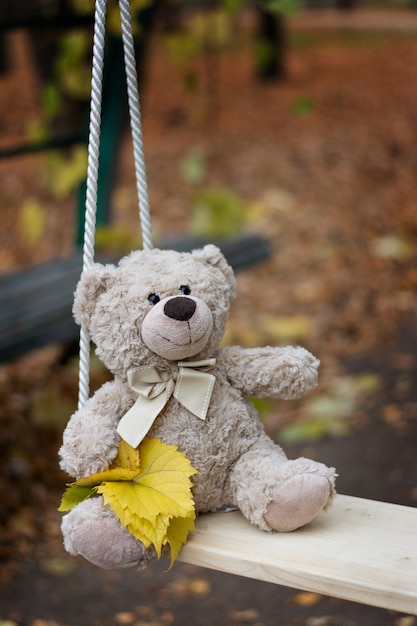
x=148, y=382
x=192, y=387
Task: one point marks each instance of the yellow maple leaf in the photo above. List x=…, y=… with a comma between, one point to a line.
x=156, y=497
x=177, y=533
x=141, y=528
x=115, y=475
x=149, y=490
x=86, y=487
x=167, y=471
x=127, y=457
x=125, y=467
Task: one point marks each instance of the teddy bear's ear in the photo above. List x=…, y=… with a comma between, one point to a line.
x=93, y=282
x=212, y=255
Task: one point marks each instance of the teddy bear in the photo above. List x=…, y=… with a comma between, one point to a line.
x=160, y=311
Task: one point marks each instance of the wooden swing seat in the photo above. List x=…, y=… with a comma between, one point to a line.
x=359, y=550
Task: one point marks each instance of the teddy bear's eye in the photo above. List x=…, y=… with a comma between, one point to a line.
x=184, y=289
x=153, y=298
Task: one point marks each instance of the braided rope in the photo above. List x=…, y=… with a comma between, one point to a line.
x=92, y=179
x=93, y=158
x=135, y=122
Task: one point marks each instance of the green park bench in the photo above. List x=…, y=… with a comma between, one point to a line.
x=36, y=304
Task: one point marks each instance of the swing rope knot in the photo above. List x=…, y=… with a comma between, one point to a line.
x=192, y=386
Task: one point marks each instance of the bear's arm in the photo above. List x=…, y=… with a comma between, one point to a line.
x=275, y=372
x=90, y=440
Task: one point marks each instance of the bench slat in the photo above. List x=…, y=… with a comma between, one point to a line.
x=360, y=550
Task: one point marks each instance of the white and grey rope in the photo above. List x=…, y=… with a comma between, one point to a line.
x=93, y=158
x=92, y=180
x=135, y=122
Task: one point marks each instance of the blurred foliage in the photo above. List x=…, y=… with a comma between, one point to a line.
x=52, y=100
x=113, y=16
x=31, y=222
x=217, y=212
x=70, y=81
x=201, y=35
x=205, y=31
x=66, y=171
x=36, y=131
x=301, y=106
x=72, y=71
x=282, y=7
x=55, y=400
x=181, y=47
x=193, y=168
x=332, y=412
x=52, y=407
x=393, y=247
x=286, y=329
x=212, y=29
x=115, y=241
x=264, y=406
x=263, y=52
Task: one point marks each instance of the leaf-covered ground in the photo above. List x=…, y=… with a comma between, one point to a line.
x=324, y=165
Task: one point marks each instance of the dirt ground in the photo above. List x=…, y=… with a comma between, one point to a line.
x=325, y=164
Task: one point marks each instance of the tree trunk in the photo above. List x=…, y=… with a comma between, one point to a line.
x=271, y=46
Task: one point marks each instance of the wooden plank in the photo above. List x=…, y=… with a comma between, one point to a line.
x=360, y=550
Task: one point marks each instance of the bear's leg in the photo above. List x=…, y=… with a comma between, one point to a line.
x=275, y=493
x=93, y=531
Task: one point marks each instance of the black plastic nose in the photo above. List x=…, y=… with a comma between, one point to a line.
x=180, y=308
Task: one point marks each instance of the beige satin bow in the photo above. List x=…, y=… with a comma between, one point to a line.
x=192, y=386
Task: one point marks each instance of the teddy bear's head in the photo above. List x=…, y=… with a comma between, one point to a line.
x=156, y=305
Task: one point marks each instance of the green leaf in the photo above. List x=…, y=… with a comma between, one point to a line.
x=74, y=495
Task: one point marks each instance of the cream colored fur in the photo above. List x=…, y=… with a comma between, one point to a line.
x=237, y=462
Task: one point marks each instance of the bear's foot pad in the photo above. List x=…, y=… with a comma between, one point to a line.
x=107, y=545
x=297, y=501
